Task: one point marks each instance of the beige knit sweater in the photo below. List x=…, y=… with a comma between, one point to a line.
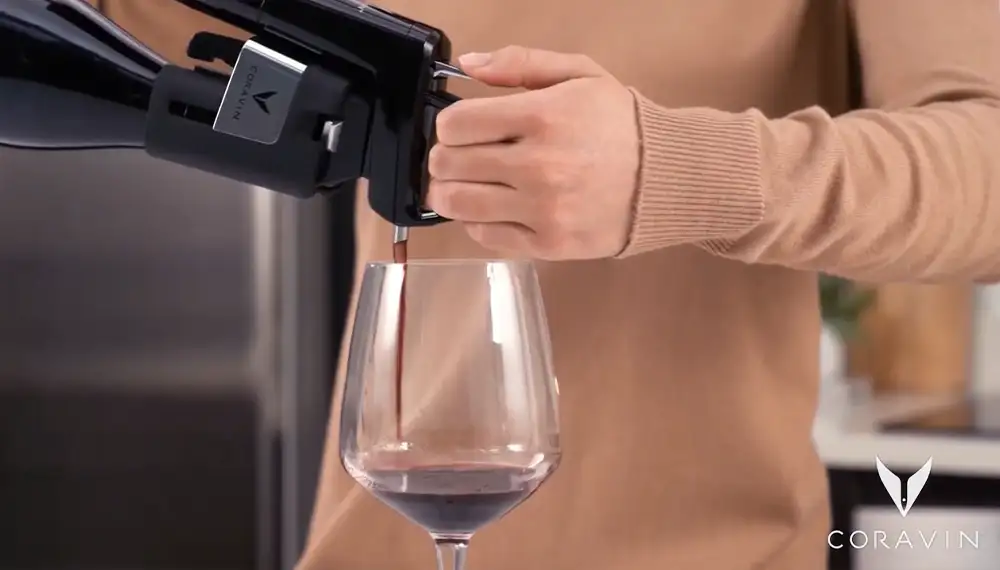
x=688, y=373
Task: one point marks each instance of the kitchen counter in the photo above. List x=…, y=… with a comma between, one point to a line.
x=847, y=436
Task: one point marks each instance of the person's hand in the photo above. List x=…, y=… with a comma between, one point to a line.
x=549, y=173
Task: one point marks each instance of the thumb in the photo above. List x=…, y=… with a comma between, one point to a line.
x=516, y=66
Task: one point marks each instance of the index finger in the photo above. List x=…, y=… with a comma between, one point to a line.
x=486, y=120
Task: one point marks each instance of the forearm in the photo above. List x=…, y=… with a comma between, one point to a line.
x=875, y=195
x=907, y=194
x=907, y=189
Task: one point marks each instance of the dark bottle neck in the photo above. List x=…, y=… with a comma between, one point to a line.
x=70, y=78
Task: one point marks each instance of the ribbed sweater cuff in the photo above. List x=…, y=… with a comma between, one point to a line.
x=699, y=178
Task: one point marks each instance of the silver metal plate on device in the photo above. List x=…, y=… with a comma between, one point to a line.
x=259, y=94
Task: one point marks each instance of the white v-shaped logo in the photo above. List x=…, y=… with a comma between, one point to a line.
x=894, y=487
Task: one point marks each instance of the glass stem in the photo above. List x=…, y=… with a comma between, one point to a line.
x=451, y=552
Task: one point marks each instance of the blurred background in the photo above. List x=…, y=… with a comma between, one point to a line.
x=910, y=378
x=166, y=353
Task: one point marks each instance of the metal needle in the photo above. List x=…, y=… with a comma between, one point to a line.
x=442, y=69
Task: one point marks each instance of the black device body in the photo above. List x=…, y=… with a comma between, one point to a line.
x=325, y=92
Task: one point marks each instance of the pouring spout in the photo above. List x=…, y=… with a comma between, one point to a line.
x=400, y=234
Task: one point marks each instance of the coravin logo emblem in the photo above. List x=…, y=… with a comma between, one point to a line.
x=261, y=100
x=894, y=486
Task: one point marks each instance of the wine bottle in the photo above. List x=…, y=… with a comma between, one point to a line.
x=70, y=78
x=323, y=93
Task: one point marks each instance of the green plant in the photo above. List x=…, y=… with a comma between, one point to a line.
x=842, y=303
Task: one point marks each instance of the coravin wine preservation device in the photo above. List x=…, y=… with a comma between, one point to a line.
x=325, y=92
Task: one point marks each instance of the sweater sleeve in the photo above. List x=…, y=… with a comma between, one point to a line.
x=908, y=188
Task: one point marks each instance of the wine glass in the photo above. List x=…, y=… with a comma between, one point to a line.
x=450, y=410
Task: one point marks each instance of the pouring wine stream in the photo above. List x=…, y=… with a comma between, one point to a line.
x=400, y=255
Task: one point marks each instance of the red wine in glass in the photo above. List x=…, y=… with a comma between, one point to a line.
x=454, y=500
x=486, y=433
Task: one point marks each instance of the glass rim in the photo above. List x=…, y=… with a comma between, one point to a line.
x=452, y=262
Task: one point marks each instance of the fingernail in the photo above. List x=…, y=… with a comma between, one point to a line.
x=474, y=59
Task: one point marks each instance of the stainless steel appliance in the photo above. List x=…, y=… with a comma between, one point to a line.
x=167, y=343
